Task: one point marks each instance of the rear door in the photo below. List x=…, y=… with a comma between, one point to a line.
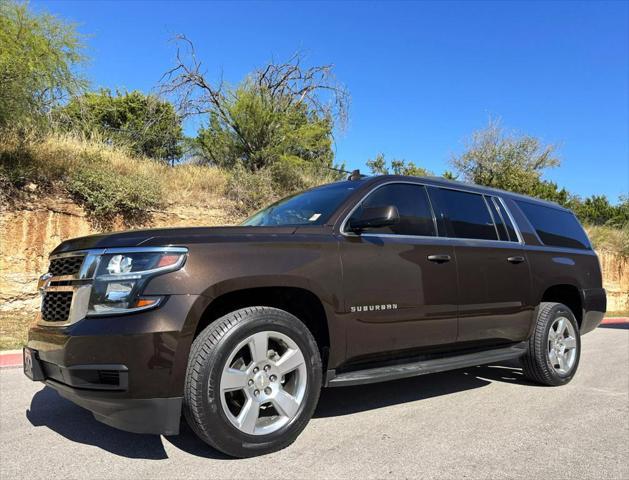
x=495, y=303
x=396, y=298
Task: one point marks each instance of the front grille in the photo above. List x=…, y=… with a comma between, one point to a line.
x=65, y=265
x=55, y=306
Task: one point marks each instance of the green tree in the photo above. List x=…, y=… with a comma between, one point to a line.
x=509, y=161
x=259, y=133
x=144, y=123
x=281, y=114
x=379, y=166
x=620, y=219
x=39, y=56
x=597, y=210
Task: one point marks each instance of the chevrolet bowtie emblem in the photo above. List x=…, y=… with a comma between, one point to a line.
x=43, y=282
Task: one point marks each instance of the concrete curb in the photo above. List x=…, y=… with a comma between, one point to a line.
x=615, y=321
x=13, y=358
x=10, y=358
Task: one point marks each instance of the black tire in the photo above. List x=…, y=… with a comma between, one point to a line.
x=209, y=353
x=536, y=363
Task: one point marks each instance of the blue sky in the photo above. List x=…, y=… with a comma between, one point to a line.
x=422, y=76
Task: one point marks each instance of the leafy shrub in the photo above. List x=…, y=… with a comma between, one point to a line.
x=253, y=190
x=18, y=174
x=250, y=191
x=107, y=181
x=18, y=165
x=291, y=174
x=106, y=195
x=144, y=124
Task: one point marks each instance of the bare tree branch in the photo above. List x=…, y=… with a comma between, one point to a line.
x=284, y=84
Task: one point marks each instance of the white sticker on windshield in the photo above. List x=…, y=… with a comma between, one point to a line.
x=314, y=218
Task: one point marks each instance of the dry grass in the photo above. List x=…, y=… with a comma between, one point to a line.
x=194, y=184
x=51, y=160
x=614, y=240
x=55, y=155
x=14, y=327
x=111, y=182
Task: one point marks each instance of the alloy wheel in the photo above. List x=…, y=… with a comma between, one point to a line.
x=263, y=383
x=562, y=345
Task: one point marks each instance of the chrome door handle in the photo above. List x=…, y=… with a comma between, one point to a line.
x=515, y=259
x=439, y=258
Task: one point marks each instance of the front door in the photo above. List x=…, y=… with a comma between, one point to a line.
x=399, y=282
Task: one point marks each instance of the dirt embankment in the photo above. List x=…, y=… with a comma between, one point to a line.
x=615, y=280
x=29, y=234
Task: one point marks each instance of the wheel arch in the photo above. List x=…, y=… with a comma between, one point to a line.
x=298, y=301
x=569, y=295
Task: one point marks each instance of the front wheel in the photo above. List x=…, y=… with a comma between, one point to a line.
x=253, y=381
x=555, y=346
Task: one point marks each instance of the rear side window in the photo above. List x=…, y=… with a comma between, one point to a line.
x=502, y=220
x=468, y=215
x=557, y=228
x=413, y=206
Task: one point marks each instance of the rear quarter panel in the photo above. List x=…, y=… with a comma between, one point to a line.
x=556, y=266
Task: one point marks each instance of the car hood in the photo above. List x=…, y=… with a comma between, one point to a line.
x=170, y=237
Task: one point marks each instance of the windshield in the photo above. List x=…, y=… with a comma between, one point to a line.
x=312, y=207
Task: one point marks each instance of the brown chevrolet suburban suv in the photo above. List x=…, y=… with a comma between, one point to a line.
x=360, y=281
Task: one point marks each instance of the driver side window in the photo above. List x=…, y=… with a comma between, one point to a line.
x=416, y=217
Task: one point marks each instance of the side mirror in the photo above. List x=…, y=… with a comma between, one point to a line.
x=375, y=218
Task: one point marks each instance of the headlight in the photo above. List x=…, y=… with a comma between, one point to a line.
x=120, y=278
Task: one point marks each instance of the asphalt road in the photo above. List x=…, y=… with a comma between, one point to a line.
x=482, y=422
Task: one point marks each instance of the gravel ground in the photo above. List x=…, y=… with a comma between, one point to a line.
x=482, y=422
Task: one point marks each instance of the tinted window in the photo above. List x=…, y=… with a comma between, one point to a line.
x=467, y=214
x=557, y=228
x=503, y=222
x=412, y=204
x=312, y=207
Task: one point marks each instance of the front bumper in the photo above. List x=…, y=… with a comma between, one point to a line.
x=129, y=370
x=159, y=416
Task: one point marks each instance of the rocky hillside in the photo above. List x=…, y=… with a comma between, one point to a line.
x=29, y=234
x=615, y=280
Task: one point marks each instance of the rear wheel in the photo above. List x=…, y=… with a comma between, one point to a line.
x=555, y=346
x=253, y=381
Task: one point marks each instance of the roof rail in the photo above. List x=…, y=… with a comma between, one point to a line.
x=355, y=175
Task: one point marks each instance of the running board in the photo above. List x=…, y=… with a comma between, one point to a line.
x=395, y=372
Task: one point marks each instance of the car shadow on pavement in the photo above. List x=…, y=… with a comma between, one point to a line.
x=48, y=409
x=190, y=443
x=618, y=326
x=76, y=424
